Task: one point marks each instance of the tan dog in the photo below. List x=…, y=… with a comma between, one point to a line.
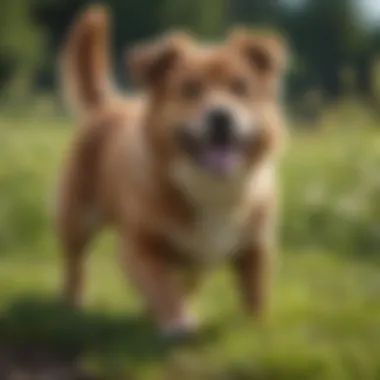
x=185, y=173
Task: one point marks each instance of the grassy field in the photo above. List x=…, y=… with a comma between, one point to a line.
x=326, y=319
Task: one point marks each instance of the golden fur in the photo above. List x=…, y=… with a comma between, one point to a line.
x=126, y=170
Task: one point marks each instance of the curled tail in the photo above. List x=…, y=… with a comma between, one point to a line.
x=84, y=61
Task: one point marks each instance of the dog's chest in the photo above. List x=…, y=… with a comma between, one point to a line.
x=220, y=227
x=212, y=238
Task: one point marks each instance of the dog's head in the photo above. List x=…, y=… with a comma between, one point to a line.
x=212, y=106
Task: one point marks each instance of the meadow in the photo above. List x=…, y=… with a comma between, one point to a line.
x=326, y=318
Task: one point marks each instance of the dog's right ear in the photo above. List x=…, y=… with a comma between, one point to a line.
x=149, y=63
x=266, y=53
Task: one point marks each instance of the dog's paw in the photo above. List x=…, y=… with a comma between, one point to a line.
x=181, y=331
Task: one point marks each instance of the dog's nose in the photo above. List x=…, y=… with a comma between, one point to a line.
x=220, y=125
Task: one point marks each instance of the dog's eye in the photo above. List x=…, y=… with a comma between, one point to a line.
x=191, y=89
x=239, y=87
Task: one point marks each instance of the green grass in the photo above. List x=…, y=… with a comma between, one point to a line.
x=326, y=318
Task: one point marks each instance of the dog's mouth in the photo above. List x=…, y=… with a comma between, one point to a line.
x=219, y=159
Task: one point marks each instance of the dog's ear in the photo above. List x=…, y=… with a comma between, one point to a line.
x=266, y=53
x=149, y=63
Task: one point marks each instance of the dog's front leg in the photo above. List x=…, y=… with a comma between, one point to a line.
x=254, y=268
x=146, y=264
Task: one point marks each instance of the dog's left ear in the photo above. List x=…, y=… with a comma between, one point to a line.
x=267, y=54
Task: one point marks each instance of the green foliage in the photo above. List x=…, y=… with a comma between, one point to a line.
x=327, y=36
x=21, y=50
x=332, y=192
x=26, y=188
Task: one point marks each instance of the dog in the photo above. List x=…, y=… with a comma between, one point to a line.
x=184, y=170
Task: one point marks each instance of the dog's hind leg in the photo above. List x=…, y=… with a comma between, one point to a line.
x=76, y=224
x=75, y=234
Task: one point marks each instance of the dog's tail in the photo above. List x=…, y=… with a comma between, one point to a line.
x=84, y=61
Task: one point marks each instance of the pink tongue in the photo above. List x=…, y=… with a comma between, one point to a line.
x=220, y=160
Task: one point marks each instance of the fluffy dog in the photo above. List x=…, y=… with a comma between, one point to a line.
x=184, y=172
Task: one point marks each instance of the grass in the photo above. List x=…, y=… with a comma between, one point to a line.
x=325, y=322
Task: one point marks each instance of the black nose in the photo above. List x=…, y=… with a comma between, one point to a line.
x=220, y=123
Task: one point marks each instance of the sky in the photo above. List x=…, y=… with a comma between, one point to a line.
x=370, y=9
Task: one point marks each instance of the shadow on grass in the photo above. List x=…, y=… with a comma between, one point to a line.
x=44, y=324
x=34, y=330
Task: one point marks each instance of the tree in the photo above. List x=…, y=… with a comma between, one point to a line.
x=21, y=47
x=327, y=37
x=206, y=18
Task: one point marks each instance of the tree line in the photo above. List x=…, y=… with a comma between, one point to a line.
x=327, y=37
